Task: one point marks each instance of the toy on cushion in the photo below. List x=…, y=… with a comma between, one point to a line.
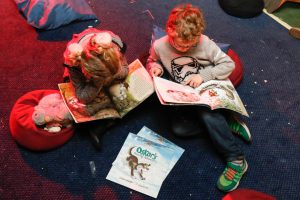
x=26, y=133
x=52, y=113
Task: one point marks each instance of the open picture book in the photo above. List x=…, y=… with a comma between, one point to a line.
x=215, y=94
x=125, y=96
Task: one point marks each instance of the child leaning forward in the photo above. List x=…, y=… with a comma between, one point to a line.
x=191, y=58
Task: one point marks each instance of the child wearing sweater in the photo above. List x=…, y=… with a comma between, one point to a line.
x=191, y=58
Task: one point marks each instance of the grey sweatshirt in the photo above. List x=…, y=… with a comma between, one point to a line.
x=206, y=59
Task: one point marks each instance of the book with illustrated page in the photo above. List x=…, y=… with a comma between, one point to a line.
x=127, y=95
x=144, y=162
x=214, y=94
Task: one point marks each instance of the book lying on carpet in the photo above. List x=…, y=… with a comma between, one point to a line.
x=125, y=96
x=144, y=162
x=214, y=94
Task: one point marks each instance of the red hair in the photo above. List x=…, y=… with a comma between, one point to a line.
x=101, y=62
x=185, y=22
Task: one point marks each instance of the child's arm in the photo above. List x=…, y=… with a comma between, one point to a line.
x=153, y=63
x=122, y=74
x=222, y=65
x=85, y=91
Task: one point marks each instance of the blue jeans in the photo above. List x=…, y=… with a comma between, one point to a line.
x=220, y=133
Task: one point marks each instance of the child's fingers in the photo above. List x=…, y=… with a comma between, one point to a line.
x=191, y=83
x=194, y=84
x=156, y=72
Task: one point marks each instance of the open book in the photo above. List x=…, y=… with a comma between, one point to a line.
x=125, y=96
x=214, y=94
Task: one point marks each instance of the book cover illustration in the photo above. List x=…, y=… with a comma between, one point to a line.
x=126, y=95
x=137, y=86
x=214, y=94
x=141, y=165
x=147, y=133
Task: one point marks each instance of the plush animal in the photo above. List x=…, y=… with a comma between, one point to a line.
x=52, y=113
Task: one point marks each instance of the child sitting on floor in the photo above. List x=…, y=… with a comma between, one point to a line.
x=191, y=58
x=95, y=61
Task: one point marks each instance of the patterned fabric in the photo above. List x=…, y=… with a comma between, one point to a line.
x=205, y=59
x=51, y=14
x=237, y=74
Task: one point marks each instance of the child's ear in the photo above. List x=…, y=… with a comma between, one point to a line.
x=171, y=32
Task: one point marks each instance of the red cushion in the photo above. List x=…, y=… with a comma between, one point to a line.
x=24, y=130
x=247, y=194
x=237, y=75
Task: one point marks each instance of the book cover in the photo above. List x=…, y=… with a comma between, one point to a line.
x=126, y=95
x=141, y=165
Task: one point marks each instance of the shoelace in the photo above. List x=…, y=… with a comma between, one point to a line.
x=230, y=174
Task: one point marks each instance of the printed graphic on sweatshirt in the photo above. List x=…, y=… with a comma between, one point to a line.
x=184, y=66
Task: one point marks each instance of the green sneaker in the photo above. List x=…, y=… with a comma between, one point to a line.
x=241, y=129
x=231, y=176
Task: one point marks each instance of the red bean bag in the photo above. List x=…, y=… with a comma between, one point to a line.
x=247, y=194
x=237, y=75
x=24, y=130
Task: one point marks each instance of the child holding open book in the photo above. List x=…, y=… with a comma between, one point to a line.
x=95, y=61
x=191, y=58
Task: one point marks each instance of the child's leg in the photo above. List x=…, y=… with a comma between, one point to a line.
x=96, y=130
x=184, y=122
x=220, y=134
x=100, y=102
x=224, y=141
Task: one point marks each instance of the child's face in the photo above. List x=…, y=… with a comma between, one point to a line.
x=183, y=45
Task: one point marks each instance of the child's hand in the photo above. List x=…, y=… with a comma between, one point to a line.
x=194, y=80
x=156, y=71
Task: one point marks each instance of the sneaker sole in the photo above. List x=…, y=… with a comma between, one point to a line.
x=248, y=132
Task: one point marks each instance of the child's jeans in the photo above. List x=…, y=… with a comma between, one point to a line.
x=220, y=133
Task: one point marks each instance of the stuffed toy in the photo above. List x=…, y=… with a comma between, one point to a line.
x=52, y=113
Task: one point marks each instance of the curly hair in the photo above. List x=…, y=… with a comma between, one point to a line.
x=186, y=21
x=101, y=64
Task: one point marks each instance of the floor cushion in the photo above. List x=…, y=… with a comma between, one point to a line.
x=237, y=74
x=51, y=14
x=24, y=130
x=247, y=194
x=242, y=8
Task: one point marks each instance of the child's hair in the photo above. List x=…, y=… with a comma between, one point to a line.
x=101, y=61
x=186, y=22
